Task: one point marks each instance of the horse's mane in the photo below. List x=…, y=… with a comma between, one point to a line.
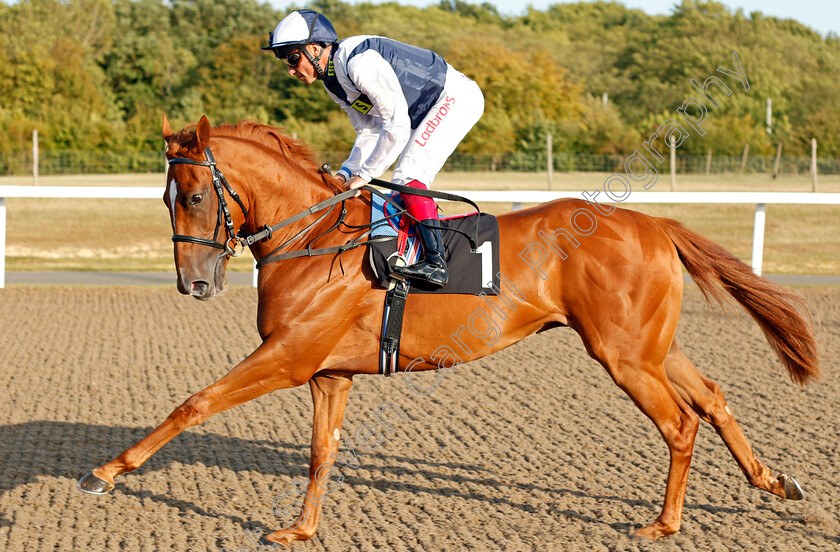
x=272, y=138
x=295, y=151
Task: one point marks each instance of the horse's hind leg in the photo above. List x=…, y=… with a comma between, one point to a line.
x=706, y=398
x=649, y=389
x=633, y=368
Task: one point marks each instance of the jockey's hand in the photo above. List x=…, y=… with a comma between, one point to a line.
x=355, y=182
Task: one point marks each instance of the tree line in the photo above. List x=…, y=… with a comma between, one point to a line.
x=99, y=74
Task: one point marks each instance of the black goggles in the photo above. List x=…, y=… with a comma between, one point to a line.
x=292, y=58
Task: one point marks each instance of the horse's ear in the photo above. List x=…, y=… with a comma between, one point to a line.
x=167, y=130
x=202, y=133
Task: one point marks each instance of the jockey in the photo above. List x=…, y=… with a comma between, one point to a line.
x=405, y=103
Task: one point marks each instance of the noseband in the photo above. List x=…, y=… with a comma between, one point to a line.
x=224, y=217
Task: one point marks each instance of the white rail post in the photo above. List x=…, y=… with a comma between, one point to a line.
x=2, y=242
x=673, y=162
x=769, y=115
x=813, y=164
x=758, y=238
x=550, y=158
x=35, y=156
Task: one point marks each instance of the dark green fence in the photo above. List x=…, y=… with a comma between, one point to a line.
x=107, y=162
x=581, y=162
x=82, y=162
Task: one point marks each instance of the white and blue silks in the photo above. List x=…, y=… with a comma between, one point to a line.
x=404, y=102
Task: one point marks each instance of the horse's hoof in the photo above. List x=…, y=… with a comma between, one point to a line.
x=271, y=544
x=792, y=489
x=93, y=485
x=285, y=540
x=654, y=532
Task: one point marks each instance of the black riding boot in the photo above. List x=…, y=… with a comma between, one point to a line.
x=431, y=268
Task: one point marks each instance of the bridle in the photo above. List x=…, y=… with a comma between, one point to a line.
x=235, y=239
x=220, y=184
x=219, y=181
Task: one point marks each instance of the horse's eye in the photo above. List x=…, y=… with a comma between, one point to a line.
x=196, y=199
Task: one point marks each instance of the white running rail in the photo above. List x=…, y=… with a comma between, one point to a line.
x=516, y=198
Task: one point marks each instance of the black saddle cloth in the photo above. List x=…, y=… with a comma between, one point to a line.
x=470, y=272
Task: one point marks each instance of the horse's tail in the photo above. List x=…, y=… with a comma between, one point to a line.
x=781, y=313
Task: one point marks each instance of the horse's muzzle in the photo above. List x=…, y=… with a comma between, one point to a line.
x=201, y=290
x=205, y=282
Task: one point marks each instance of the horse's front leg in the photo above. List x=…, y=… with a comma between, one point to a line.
x=329, y=396
x=262, y=372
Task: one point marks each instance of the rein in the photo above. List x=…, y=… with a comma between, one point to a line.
x=220, y=184
x=358, y=241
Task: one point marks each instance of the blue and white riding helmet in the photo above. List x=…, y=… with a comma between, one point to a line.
x=300, y=28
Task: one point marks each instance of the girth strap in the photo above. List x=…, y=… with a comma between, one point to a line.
x=392, y=320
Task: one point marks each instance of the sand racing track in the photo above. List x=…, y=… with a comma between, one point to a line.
x=510, y=453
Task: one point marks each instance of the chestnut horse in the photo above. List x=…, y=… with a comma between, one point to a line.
x=619, y=286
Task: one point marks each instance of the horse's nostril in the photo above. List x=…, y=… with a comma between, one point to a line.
x=199, y=288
